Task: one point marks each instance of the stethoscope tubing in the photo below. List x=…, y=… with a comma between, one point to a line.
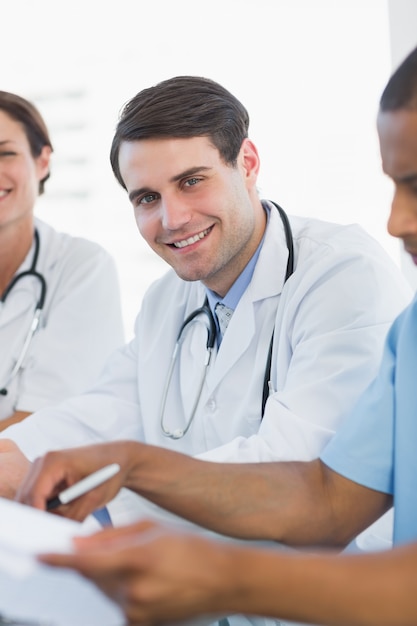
x=289, y=271
x=178, y=433
x=211, y=339
x=32, y=272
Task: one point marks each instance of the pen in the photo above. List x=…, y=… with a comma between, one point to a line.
x=86, y=484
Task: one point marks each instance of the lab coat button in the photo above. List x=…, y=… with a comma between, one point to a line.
x=211, y=404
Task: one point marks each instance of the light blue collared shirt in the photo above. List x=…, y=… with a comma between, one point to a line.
x=231, y=299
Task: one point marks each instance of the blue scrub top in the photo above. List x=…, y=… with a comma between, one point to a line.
x=377, y=444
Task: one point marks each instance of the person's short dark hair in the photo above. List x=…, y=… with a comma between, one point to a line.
x=183, y=107
x=401, y=89
x=31, y=120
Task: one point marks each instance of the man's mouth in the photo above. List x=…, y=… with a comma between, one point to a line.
x=3, y=193
x=188, y=242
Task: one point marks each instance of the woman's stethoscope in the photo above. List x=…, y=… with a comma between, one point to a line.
x=205, y=310
x=32, y=271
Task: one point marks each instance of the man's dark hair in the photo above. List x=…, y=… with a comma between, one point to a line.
x=401, y=89
x=33, y=124
x=183, y=107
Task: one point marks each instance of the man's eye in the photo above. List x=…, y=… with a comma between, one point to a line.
x=150, y=197
x=192, y=181
x=5, y=153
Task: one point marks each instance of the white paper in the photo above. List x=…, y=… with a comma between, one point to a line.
x=36, y=592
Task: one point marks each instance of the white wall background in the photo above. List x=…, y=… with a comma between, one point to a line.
x=309, y=71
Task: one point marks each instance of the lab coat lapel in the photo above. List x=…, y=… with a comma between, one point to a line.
x=257, y=305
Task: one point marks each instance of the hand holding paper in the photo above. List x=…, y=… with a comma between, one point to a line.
x=138, y=566
x=34, y=592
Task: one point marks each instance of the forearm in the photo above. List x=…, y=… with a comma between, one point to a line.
x=351, y=590
x=284, y=502
x=296, y=503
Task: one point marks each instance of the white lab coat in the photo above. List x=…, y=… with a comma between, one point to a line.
x=330, y=321
x=81, y=323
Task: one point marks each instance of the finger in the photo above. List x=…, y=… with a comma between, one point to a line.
x=94, y=564
x=7, y=445
x=79, y=508
x=113, y=536
x=41, y=483
x=91, y=566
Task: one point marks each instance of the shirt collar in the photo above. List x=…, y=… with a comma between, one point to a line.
x=232, y=297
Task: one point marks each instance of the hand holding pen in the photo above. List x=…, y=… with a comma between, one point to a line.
x=85, y=485
x=75, y=482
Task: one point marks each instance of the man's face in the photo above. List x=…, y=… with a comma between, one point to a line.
x=398, y=141
x=200, y=215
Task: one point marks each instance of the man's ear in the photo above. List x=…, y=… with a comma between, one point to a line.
x=249, y=160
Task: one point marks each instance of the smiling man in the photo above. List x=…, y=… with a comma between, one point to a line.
x=200, y=215
x=308, y=306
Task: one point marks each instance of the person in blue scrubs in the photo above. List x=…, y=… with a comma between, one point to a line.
x=368, y=467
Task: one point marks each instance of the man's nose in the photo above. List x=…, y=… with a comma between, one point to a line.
x=175, y=213
x=402, y=221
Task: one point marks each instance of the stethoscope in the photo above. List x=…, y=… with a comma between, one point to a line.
x=205, y=311
x=32, y=271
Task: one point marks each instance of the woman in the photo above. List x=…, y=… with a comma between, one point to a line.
x=60, y=312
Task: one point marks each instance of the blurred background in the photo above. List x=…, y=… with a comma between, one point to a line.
x=310, y=73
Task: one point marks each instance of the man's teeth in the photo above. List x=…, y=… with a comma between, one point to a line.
x=3, y=193
x=190, y=240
